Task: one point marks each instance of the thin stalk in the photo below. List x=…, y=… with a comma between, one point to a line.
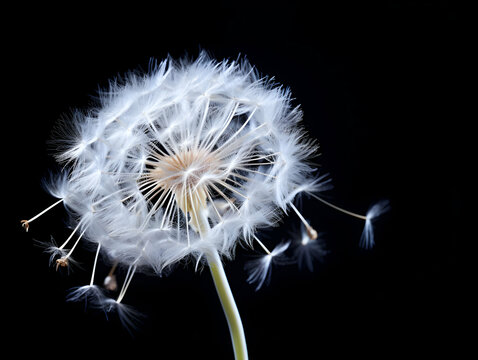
x=224, y=292
x=229, y=306
x=94, y=265
x=363, y=217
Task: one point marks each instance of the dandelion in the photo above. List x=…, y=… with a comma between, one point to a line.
x=187, y=161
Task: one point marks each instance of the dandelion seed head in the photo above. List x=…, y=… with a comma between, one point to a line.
x=192, y=157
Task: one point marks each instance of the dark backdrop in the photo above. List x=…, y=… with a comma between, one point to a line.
x=380, y=84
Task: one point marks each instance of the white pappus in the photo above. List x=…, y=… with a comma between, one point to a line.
x=259, y=270
x=367, y=240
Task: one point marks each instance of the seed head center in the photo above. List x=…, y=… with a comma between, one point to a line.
x=183, y=175
x=185, y=168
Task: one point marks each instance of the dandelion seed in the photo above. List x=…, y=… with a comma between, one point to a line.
x=259, y=270
x=308, y=249
x=26, y=223
x=52, y=249
x=367, y=240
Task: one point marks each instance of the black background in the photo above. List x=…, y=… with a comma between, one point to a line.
x=381, y=87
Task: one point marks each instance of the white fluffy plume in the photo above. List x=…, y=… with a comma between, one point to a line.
x=367, y=240
x=259, y=270
x=189, y=147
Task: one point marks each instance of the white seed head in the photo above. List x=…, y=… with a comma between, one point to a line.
x=190, y=158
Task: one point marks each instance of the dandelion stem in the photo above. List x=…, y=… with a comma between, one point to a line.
x=224, y=292
x=229, y=306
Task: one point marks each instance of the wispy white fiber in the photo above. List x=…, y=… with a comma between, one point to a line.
x=91, y=294
x=129, y=317
x=52, y=249
x=367, y=240
x=259, y=270
x=95, y=298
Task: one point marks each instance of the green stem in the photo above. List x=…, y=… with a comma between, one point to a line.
x=228, y=304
